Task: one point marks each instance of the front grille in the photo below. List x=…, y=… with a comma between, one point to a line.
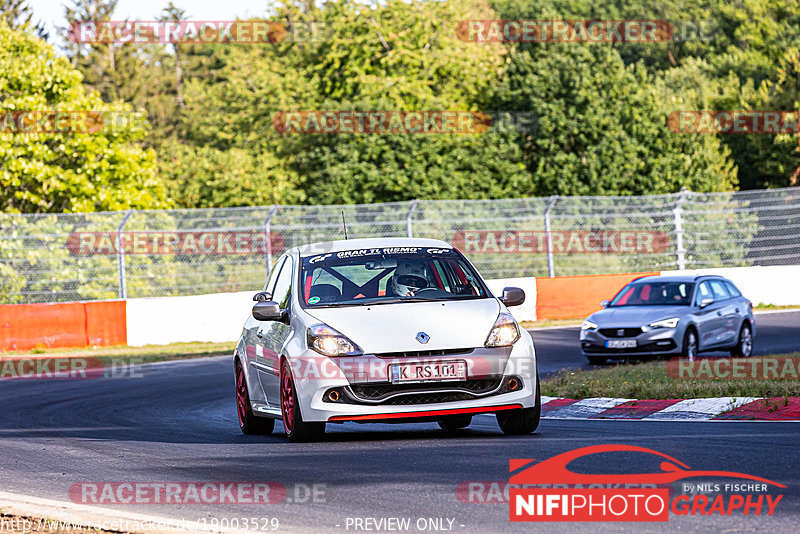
x=590, y=348
x=425, y=353
x=386, y=393
x=615, y=332
x=427, y=398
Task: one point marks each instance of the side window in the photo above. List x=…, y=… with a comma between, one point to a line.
x=720, y=291
x=283, y=285
x=273, y=275
x=703, y=292
x=732, y=290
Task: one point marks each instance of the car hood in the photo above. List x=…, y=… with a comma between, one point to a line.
x=635, y=316
x=394, y=327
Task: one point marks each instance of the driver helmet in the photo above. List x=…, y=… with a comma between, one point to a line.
x=408, y=278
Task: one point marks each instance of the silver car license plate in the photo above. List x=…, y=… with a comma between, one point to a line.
x=621, y=344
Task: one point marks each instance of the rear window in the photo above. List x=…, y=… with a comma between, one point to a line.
x=720, y=290
x=733, y=290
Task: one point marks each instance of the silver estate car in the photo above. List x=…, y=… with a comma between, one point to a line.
x=382, y=330
x=670, y=315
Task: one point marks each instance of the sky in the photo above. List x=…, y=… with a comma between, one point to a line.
x=51, y=12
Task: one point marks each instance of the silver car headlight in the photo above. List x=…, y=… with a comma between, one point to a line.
x=505, y=331
x=588, y=325
x=330, y=342
x=666, y=323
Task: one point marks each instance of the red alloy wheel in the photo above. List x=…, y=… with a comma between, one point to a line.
x=241, y=395
x=287, y=399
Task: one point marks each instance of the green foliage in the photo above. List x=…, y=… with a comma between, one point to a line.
x=602, y=128
x=58, y=172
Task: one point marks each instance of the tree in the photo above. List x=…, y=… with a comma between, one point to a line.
x=57, y=171
x=18, y=14
x=602, y=129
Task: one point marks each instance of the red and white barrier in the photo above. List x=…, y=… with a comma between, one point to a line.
x=219, y=317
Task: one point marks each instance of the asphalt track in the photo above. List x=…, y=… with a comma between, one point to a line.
x=177, y=423
x=557, y=348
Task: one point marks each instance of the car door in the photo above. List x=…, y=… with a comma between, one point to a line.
x=271, y=335
x=729, y=324
x=254, y=346
x=709, y=319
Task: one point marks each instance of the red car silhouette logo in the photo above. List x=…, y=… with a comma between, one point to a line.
x=554, y=470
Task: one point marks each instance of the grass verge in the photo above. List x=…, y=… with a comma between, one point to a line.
x=149, y=353
x=649, y=380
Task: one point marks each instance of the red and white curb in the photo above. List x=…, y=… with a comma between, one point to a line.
x=721, y=408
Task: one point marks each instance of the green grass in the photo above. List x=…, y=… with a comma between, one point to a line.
x=649, y=380
x=149, y=353
x=532, y=325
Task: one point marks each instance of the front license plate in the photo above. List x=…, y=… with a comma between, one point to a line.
x=621, y=343
x=429, y=371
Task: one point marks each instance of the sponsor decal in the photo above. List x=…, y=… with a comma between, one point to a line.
x=753, y=368
x=575, y=496
x=564, y=31
x=734, y=122
x=180, y=243
x=562, y=242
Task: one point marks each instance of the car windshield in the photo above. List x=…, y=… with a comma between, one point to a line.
x=388, y=275
x=655, y=294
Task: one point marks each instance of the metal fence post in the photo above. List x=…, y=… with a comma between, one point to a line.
x=121, y=270
x=677, y=214
x=411, y=210
x=548, y=236
x=268, y=235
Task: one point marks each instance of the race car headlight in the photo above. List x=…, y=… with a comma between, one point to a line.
x=505, y=331
x=588, y=325
x=666, y=323
x=330, y=342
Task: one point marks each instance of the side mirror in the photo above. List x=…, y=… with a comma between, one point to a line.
x=513, y=296
x=268, y=311
x=706, y=302
x=605, y=303
x=262, y=296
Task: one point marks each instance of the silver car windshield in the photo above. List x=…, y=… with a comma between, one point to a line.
x=655, y=294
x=388, y=275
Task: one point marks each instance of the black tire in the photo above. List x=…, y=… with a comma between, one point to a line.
x=691, y=344
x=249, y=423
x=597, y=360
x=744, y=345
x=523, y=421
x=454, y=422
x=297, y=430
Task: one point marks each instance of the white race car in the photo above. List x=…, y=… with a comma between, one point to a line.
x=382, y=330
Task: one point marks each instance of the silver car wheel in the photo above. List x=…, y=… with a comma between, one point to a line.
x=691, y=345
x=746, y=341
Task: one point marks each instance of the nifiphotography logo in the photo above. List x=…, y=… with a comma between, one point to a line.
x=575, y=496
